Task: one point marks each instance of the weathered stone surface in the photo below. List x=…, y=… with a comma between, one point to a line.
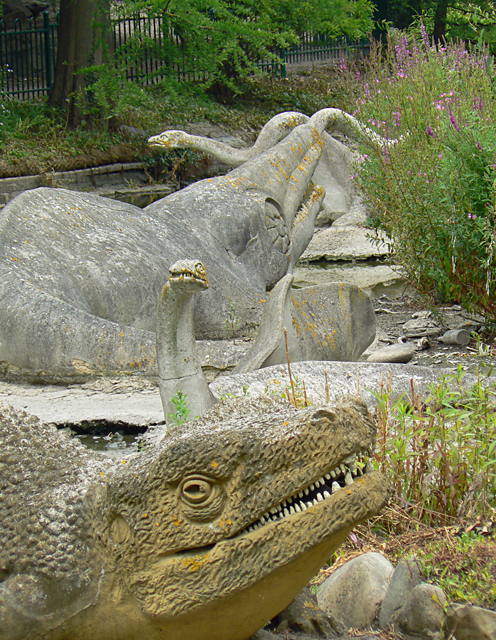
x=373, y=279
x=468, y=622
x=131, y=401
x=80, y=275
x=422, y=324
x=345, y=243
x=405, y=577
x=330, y=322
x=399, y=352
x=362, y=580
x=175, y=542
x=422, y=614
x=305, y=616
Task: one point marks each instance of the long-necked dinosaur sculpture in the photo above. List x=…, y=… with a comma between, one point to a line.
x=205, y=536
x=80, y=275
x=335, y=165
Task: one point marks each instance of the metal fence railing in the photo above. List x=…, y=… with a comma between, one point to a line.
x=27, y=57
x=146, y=49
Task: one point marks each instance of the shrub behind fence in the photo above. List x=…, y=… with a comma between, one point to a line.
x=146, y=51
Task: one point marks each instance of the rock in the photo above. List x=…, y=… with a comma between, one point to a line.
x=345, y=243
x=422, y=614
x=305, y=616
x=399, y=352
x=422, y=325
x=373, y=279
x=456, y=336
x=362, y=580
x=467, y=622
x=405, y=577
x=355, y=217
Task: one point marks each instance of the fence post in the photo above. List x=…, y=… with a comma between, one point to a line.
x=48, y=61
x=283, y=65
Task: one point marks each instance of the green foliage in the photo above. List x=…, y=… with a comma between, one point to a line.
x=222, y=41
x=464, y=566
x=434, y=191
x=182, y=410
x=441, y=455
x=107, y=96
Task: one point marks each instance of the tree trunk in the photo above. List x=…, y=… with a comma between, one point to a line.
x=81, y=43
x=440, y=18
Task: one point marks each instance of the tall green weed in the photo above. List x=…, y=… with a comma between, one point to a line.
x=434, y=190
x=440, y=456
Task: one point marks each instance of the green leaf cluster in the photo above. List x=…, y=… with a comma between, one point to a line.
x=222, y=41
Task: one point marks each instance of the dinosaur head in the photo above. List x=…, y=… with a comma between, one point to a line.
x=234, y=514
x=188, y=276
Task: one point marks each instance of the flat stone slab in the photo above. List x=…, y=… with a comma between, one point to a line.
x=365, y=276
x=345, y=243
x=132, y=401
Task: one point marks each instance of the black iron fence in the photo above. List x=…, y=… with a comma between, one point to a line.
x=145, y=49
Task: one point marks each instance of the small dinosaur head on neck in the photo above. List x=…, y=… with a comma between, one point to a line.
x=188, y=276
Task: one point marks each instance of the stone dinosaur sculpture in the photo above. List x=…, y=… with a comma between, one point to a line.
x=205, y=536
x=333, y=170
x=80, y=275
x=330, y=322
x=178, y=366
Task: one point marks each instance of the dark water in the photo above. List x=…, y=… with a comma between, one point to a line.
x=106, y=437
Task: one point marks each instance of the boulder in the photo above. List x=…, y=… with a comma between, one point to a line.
x=399, y=352
x=355, y=591
x=405, y=577
x=422, y=614
x=305, y=616
x=467, y=622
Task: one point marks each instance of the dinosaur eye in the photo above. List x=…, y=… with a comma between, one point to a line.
x=196, y=490
x=202, y=498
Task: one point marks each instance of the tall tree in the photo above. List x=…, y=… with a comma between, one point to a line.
x=83, y=39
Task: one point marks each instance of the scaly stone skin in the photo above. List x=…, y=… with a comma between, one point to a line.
x=177, y=542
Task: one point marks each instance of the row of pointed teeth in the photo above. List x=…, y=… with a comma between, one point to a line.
x=302, y=500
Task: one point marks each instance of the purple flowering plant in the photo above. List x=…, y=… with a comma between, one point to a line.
x=434, y=189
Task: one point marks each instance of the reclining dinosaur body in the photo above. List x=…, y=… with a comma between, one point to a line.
x=205, y=536
x=80, y=275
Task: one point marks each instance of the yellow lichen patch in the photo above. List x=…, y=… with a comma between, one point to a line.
x=215, y=464
x=195, y=563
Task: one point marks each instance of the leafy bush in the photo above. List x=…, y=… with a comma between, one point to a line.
x=434, y=191
x=440, y=456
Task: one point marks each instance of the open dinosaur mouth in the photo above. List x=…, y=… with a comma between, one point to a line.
x=341, y=476
x=188, y=272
